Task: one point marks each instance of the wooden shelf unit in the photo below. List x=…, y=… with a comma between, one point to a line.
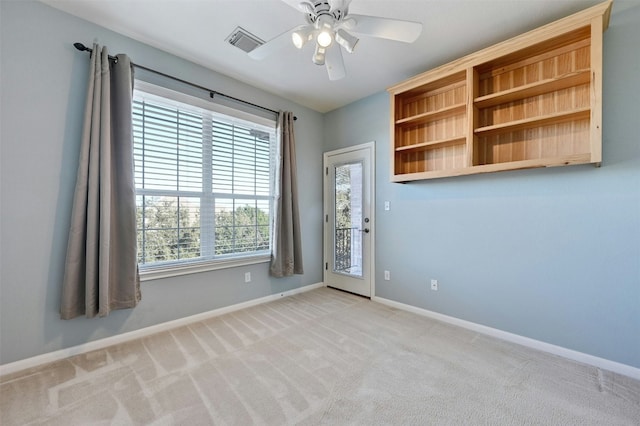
x=531, y=101
x=430, y=125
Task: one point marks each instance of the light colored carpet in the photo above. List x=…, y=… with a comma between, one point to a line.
x=322, y=357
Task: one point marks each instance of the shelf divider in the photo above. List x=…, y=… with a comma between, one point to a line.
x=433, y=115
x=549, y=85
x=457, y=140
x=543, y=120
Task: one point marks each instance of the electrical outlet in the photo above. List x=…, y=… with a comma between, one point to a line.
x=247, y=277
x=434, y=285
x=387, y=275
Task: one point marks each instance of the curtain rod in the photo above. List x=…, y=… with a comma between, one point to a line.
x=81, y=47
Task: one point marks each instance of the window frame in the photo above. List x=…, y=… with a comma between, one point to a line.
x=144, y=90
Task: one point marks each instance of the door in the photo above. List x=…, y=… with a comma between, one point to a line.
x=348, y=219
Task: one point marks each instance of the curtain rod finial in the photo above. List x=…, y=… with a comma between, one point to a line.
x=81, y=47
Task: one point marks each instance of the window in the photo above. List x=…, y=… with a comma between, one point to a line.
x=203, y=178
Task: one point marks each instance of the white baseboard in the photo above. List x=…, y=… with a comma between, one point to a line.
x=38, y=360
x=581, y=357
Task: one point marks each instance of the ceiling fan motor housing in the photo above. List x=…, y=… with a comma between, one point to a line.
x=322, y=8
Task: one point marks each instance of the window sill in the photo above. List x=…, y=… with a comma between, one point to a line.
x=177, y=270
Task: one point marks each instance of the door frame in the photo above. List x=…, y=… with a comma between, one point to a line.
x=328, y=228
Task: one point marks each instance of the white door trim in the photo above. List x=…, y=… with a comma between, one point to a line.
x=371, y=146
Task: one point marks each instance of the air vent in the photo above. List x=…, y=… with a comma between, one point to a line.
x=244, y=40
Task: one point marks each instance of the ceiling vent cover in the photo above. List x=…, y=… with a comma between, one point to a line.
x=243, y=40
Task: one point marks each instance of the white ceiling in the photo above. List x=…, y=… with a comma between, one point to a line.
x=196, y=30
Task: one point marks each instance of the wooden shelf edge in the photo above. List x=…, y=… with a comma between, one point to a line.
x=543, y=120
x=434, y=174
x=459, y=140
x=455, y=82
x=565, y=160
x=534, y=89
x=433, y=115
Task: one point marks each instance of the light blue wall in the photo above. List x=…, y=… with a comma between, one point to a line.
x=43, y=90
x=550, y=254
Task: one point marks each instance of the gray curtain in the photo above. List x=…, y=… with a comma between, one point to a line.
x=101, y=270
x=286, y=257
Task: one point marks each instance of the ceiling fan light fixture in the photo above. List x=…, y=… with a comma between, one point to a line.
x=324, y=26
x=346, y=40
x=301, y=37
x=319, y=55
x=324, y=38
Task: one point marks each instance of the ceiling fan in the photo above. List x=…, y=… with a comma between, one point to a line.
x=331, y=26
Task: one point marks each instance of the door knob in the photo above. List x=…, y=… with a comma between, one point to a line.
x=366, y=230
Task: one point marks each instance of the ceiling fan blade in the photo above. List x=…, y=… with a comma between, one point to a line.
x=392, y=29
x=295, y=4
x=339, y=4
x=335, y=63
x=274, y=44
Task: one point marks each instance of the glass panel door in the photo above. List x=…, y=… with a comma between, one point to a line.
x=348, y=220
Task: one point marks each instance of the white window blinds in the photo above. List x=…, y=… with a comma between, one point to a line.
x=204, y=181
